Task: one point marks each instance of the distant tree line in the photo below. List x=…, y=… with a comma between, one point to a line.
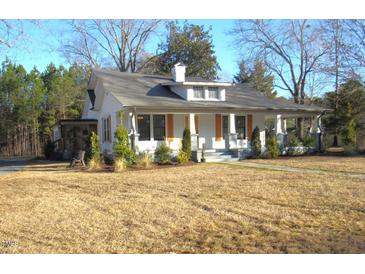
x=32, y=102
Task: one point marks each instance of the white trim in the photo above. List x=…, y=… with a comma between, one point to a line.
x=218, y=84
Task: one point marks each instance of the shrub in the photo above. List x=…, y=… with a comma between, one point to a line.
x=145, y=160
x=121, y=147
x=186, y=142
x=256, y=142
x=95, y=148
x=119, y=165
x=163, y=154
x=95, y=161
x=349, y=131
x=292, y=140
x=94, y=164
x=49, y=149
x=182, y=157
x=272, y=147
x=309, y=141
x=108, y=159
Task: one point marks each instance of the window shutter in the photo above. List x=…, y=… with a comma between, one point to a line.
x=103, y=129
x=186, y=121
x=218, y=127
x=170, y=127
x=249, y=126
x=109, y=129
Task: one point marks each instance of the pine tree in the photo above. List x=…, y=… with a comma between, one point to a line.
x=258, y=76
x=243, y=75
x=191, y=45
x=263, y=81
x=349, y=129
x=186, y=142
x=256, y=142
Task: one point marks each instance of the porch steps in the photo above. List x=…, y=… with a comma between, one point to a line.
x=219, y=156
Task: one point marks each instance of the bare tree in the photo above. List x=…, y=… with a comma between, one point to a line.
x=10, y=32
x=104, y=42
x=356, y=42
x=337, y=62
x=291, y=49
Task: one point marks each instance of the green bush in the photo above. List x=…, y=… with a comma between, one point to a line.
x=163, y=154
x=182, y=157
x=293, y=140
x=186, y=143
x=121, y=147
x=309, y=141
x=272, y=147
x=256, y=143
x=95, y=148
x=49, y=149
x=349, y=131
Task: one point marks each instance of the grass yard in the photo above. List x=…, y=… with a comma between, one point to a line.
x=326, y=163
x=205, y=208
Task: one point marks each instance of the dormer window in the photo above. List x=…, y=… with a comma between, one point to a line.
x=213, y=93
x=198, y=92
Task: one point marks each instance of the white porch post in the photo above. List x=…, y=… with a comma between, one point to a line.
x=232, y=131
x=279, y=130
x=192, y=123
x=315, y=130
x=284, y=126
x=134, y=136
x=194, y=138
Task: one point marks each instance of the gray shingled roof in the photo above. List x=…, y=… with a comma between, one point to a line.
x=133, y=89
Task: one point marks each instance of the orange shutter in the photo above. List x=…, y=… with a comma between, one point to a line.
x=249, y=126
x=218, y=127
x=170, y=127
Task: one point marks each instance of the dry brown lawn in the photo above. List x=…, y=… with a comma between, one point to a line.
x=326, y=163
x=205, y=208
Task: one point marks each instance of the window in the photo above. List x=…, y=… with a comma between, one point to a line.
x=144, y=129
x=240, y=122
x=159, y=127
x=198, y=92
x=213, y=93
x=107, y=128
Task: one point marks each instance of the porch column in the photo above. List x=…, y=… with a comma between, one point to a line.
x=232, y=131
x=315, y=131
x=192, y=123
x=194, y=138
x=279, y=130
x=284, y=126
x=134, y=136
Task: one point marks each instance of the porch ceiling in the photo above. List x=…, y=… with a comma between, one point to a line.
x=213, y=110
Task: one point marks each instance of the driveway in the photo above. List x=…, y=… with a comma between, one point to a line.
x=8, y=166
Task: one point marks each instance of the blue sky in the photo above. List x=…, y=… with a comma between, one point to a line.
x=39, y=48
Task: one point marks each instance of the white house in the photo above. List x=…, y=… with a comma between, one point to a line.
x=157, y=109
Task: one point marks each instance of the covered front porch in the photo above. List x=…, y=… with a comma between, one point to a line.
x=212, y=131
